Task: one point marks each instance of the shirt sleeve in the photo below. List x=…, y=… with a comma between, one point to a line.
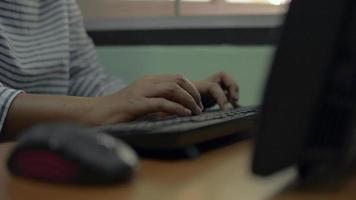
x=7, y=95
x=87, y=77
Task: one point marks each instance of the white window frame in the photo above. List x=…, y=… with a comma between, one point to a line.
x=113, y=9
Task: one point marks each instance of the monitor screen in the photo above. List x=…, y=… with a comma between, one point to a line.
x=309, y=103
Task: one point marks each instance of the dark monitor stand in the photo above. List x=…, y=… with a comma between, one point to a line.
x=308, y=114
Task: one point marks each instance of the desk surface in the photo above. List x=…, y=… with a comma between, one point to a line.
x=221, y=174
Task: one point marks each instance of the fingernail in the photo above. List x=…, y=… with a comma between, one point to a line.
x=233, y=102
x=234, y=96
x=187, y=111
x=201, y=106
x=237, y=96
x=198, y=110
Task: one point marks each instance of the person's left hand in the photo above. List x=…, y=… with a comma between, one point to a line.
x=219, y=88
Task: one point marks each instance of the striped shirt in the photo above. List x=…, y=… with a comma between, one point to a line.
x=44, y=49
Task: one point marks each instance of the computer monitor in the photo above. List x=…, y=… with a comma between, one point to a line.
x=308, y=111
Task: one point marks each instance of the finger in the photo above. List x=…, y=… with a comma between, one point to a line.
x=233, y=100
x=232, y=88
x=173, y=92
x=186, y=84
x=218, y=94
x=153, y=105
x=230, y=85
x=234, y=103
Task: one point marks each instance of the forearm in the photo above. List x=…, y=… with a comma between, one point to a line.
x=27, y=110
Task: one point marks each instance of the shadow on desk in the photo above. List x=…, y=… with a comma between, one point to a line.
x=196, y=150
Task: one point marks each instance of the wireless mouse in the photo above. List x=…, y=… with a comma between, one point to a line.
x=69, y=153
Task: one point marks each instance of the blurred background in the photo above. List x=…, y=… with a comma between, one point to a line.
x=195, y=38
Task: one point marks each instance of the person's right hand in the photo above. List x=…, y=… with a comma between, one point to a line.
x=171, y=94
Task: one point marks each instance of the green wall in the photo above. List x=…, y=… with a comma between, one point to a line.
x=249, y=65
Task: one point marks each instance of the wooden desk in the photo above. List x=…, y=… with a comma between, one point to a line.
x=221, y=174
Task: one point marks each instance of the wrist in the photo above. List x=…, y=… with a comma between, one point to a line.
x=102, y=111
x=92, y=112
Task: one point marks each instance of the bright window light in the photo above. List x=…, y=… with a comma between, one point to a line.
x=195, y=0
x=169, y=0
x=277, y=2
x=273, y=2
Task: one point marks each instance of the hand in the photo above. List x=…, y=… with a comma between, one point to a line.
x=219, y=88
x=171, y=94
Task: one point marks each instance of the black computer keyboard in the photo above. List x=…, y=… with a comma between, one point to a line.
x=178, y=132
